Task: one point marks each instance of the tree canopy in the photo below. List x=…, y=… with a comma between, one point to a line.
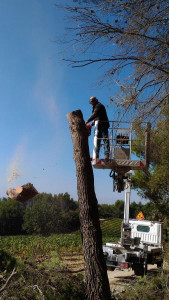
x=46, y=214
x=43, y=214
x=11, y=217
x=130, y=39
x=51, y=214
x=154, y=184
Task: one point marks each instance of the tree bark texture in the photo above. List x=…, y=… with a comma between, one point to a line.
x=96, y=279
x=22, y=193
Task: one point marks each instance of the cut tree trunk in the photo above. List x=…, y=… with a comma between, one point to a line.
x=22, y=193
x=96, y=279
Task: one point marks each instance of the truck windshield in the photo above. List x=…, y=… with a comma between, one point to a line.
x=143, y=228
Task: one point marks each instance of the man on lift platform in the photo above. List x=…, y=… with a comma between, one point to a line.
x=99, y=114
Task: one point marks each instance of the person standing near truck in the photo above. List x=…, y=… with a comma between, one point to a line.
x=99, y=114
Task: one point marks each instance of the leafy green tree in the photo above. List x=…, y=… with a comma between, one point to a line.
x=154, y=184
x=49, y=215
x=69, y=221
x=151, y=212
x=39, y=218
x=119, y=208
x=115, y=210
x=11, y=217
x=135, y=208
x=106, y=210
x=65, y=203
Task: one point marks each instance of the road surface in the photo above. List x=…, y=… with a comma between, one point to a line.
x=119, y=280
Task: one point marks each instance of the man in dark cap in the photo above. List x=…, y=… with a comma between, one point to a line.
x=99, y=114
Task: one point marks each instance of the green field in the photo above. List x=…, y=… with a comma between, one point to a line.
x=111, y=229
x=33, y=245
x=52, y=267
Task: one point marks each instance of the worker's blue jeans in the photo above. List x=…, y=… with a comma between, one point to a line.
x=102, y=135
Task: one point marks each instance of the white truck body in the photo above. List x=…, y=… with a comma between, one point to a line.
x=149, y=232
x=140, y=244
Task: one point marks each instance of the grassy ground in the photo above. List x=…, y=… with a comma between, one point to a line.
x=46, y=267
x=45, y=279
x=34, y=245
x=154, y=286
x=49, y=268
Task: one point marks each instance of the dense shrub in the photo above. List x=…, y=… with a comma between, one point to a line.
x=11, y=217
x=51, y=214
x=7, y=261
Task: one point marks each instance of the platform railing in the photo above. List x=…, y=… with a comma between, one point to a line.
x=124, y=144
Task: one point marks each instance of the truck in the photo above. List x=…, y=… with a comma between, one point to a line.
x=141, y=240
x=140, y=244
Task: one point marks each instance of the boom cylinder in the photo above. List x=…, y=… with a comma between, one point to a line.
x=127, y=201
x=96, y=131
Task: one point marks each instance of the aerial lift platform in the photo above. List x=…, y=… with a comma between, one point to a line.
x=123, y=142
x=141, y=240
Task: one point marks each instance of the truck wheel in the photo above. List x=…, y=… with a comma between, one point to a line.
x=160, y=264
x=139, y=270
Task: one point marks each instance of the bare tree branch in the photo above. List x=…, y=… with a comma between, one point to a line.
x=9, y=278
x=133, y=36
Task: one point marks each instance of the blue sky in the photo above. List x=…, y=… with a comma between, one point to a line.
x=37, y=90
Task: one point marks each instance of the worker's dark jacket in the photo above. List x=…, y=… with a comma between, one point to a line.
x=99, y=113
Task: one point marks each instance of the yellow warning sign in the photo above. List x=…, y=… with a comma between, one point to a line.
x=140, y=216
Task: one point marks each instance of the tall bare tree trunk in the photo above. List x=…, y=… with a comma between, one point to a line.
x=97, y=284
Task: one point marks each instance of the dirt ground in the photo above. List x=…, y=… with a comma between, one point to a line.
x=118, y=279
